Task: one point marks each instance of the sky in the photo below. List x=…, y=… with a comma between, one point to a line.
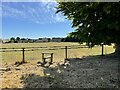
x=33, y=20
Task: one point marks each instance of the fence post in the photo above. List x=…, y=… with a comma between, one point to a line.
x=43, y=60
x=23, y=61
x=102, y=49
x=51, y=58
x=65, y=52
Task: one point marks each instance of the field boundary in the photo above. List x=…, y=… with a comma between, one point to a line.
x=23, y=50
x=42, y=48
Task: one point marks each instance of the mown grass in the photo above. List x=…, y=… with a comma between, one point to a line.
x=19, y=45
x=59, y=55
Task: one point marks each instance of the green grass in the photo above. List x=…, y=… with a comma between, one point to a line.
x=59, y=55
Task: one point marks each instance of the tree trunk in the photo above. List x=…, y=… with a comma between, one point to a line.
x=117, y=49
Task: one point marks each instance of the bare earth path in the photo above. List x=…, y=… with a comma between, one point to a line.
x=88, y=72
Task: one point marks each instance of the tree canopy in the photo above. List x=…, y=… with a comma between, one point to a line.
x=95, y=22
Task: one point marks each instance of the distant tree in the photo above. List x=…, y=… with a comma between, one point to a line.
x=23, y=40
x=72, y=39
x=39, y=38
x=29, y=40
x=12, y=40
x=17, y=39
x=49, y=39
x=63, y=40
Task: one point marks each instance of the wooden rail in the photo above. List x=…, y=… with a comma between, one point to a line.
x=42, y=48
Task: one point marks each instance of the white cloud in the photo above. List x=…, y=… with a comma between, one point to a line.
x=37, y=12
x=28, y=0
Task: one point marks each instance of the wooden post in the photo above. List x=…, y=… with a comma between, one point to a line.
x=23, y=61
x=65, y=52
x=43, y=58
x=102, y=49
x=51, y=58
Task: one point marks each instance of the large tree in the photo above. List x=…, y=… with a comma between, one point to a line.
x=95, y=22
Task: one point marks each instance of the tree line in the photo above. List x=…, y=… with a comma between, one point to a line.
x=28, y=40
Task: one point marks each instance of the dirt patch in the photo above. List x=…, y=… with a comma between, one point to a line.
x=87, y=72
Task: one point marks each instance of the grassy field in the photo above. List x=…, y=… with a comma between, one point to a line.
x=59, y=55
x=30, y=75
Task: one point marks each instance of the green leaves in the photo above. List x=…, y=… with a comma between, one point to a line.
x=101, y=20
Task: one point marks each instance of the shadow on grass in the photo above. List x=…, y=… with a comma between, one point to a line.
x=86, y=72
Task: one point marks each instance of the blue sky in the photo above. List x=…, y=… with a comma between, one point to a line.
x=33, y=20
